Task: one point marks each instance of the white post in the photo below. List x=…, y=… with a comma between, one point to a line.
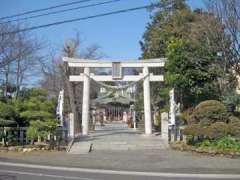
x=85, y=103
x=164, y=126
x=21, y=136
x=71, y=125
x=94, y=118
x=172, y=107
x=172, y=115
x=134, y=120
x=147, y=102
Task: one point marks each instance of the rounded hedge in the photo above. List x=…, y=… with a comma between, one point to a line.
x=210, y=120
x=209, y=112
x=217, y=130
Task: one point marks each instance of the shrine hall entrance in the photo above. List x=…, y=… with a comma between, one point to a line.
x=113, y=105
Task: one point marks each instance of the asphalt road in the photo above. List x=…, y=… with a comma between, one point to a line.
x=12, y=171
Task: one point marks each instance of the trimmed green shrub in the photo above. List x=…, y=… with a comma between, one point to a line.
x=7, y=111
x=233, y=119
x=217, y=130
x=194, y=130
x=234, y=129
x=42, y=129
x=209, y=112
x=210, y=120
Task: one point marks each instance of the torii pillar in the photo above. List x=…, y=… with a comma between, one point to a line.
x=147, y=102
x=86, y=101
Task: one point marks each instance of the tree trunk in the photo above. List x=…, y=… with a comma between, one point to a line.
x=70, y=92
x=6, y=80
x=18, y=78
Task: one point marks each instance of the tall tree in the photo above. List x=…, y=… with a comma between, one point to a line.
x=228, y=12
x=56, y=76
x=18, y=56
x=193, y=42
x=172, y=19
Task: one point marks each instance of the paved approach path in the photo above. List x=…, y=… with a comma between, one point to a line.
x=117, y=136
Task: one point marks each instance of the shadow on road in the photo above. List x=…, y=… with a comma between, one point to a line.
x=7, y=177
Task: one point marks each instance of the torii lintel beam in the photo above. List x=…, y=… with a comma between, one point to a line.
x=106, y=78
x=74, y=62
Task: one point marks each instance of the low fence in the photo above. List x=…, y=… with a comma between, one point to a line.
x=176, y=134
x=18, y=136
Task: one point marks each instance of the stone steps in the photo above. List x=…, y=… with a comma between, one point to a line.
x=85, y=147
x=81, y=148
x=111, y=126
x=125, y=147
x=116, y=137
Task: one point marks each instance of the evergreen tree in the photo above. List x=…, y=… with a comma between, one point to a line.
x=196, y=46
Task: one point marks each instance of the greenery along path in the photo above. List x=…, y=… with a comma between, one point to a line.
x=32, y=108
x=200, y=47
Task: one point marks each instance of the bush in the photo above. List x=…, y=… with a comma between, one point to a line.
x=4, y=122
x=157, y=121
x=194, y=130
x=7, y=111
x=226, y=144
x=231, y=101
x=234, y=129
x=233, y=119
x=217, y=130
x=42, y=129
x=38, y=115
x=208, y=120
x=209, y=112
x=186, y=115
x=211, y=127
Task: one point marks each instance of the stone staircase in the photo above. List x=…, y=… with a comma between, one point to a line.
x=116, y=136
x=115, y=125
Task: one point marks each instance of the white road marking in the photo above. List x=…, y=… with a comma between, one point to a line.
x=115, y=172
x=44, y=175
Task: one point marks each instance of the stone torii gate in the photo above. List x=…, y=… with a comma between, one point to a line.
x=117, y=75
